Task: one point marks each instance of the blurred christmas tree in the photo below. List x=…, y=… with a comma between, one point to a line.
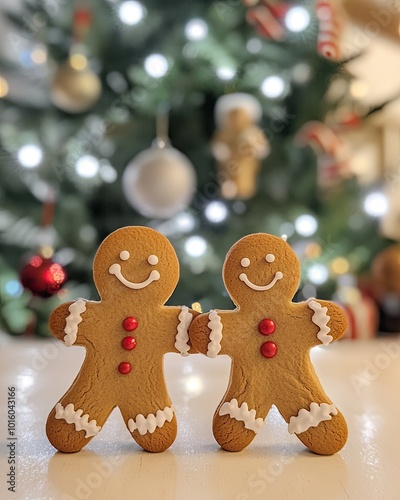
x=92, y=81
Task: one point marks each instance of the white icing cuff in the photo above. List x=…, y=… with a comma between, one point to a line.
x=182, y=336
x=215, y=325
x=75, y=417
x=73, y=320
x=312, y=418
x=321, y=319
x=151, y=422
x=243, y=414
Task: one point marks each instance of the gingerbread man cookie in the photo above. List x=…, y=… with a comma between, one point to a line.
x=269, y=338
x=126, y=335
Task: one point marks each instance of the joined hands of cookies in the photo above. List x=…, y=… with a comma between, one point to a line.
x=128, y=331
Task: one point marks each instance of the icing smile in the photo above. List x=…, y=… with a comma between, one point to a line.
x=245, y=262
x=243, y=277
x=116, y=270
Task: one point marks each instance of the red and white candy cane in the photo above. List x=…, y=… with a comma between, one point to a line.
x=267, y=18
x=331, y=171
x=321, y=138
x=330, y=150
x=329, y=30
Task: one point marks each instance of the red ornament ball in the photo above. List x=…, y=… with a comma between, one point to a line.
x=124, y=368
x=269, y=349
x=266, y=326
x=82, y=17
x=129, y=343
x=43, y=277
x=130, y=323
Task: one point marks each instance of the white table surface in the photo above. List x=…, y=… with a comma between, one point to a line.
x=362, y=378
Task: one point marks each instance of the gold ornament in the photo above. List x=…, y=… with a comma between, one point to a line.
x=75, y=87
x=238, y=145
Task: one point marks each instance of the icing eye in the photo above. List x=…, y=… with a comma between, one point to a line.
x=152, y=260
x=124, y=255
x=270, y=258
x=245, y=262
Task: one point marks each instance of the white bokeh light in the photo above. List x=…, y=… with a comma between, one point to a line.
x=185, y=222
x=273, y=87
x=318, y=274
x=301, y=73
x=216, y=212
x=306, y=225
x=254, y=45
x=309, y=291
x=156, y=65
x=87, y=166
x=297, y=19
x=195, y=246
x=30, y=156
x=196, y=29
x=108, y=174
x=376, y=204
x=225, y=73
x=131, y=12
x=287, y=229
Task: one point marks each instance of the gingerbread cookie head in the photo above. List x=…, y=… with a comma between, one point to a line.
x=265, y=265
x=136, y=260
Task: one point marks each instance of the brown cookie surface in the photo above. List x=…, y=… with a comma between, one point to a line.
x=126, y=335
x=269, y=338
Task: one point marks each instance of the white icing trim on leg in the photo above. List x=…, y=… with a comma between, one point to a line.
x=321, y=319
x=182, y=336
x=73, y=320
x=311, y=418
x=152, y=421
x=216, y=326
x=243, y=414
x=75, y=417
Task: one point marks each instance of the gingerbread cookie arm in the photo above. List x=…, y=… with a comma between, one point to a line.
x=66, y=322
x=327, y=321
x=207, y=334
x=183, y=317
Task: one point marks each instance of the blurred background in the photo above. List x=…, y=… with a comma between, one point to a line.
x=206, y=120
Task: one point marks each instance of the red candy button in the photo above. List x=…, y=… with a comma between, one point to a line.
x=128, y=343
x=266, y=327
x=124, y=368
x=130, y=323
x=269, y=349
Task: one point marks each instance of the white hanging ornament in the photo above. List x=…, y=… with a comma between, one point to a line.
x=160, y=181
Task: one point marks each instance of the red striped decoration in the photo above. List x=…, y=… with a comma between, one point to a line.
x=267, y=16
x=329, y=30
x=362, y=318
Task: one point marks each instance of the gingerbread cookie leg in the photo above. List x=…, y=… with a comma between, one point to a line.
x=151, y=418
x=315, y=420
x=77, y=417
x=154, y=431
x=240, y=415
